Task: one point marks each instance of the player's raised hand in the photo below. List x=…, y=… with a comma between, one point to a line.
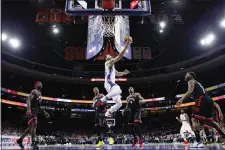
x=126, y=71
x=177, y=118
x=128, y=39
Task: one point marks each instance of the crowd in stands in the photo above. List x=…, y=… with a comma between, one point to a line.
x=164, y=134
x=155, y=134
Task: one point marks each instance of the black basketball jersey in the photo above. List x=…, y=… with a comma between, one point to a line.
x=133, y=102
x=96, y=99
x=198, y=90
x=36, y=102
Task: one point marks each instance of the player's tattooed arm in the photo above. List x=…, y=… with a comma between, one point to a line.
x=219, y=110
x=125, y=109
x=141, y=99
x=191, y=86
x=30, y=98
x=120, y=74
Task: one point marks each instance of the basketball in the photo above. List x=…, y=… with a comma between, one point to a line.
x=128, y=38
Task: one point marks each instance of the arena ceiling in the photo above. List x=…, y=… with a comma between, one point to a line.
x=178, y=42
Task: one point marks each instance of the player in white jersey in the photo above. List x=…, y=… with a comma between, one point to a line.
x=111, y=87
x=186, y=127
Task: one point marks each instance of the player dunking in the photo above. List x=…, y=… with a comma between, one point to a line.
x=33, y=107
x=204, y=105
x=134, y=101
x=100, y=109
x=186, y=127
x=111, y=87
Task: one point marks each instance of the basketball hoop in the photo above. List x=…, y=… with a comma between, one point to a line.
x=108, y=22
x=108, y=25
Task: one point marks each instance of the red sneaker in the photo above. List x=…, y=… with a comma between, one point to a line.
x=135, y=141
x=185, y=142
x=140, y=143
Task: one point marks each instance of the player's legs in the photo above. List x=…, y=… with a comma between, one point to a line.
x=137, y=125
x=24, y=134
x=113, y=90
x=206, y=110
x=115, y=107
x=33, y=133
x=132, y=128
x=182, y=133
x=189, y=130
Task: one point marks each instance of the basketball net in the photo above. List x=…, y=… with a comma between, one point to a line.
x=108, y=25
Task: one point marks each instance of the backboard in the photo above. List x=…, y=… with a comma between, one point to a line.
x=94, y=7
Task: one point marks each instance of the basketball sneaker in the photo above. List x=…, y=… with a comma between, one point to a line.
x=135, y=141
x=194, y=145
x=20, y=143
x=100, y=143
x=108, y=114
x=140, y=143
x=200, y=145
x=186, y=142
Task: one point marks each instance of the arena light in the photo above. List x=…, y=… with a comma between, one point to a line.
x=208, y=39
x=15, y=43
x=55, y=30
x=222, y=23
x=161, y=31
x=4, y=36
x=162, y=24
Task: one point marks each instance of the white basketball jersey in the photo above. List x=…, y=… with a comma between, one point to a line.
x=184, y=119
x=110, y=74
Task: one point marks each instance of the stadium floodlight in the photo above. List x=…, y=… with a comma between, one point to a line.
x=15, y=43
x=162, y=24
x=4, y=36
x=208, y=39
x=55, y=30
x=202, y=42
x=222, y=23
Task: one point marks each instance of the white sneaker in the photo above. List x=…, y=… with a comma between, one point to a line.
x=200, y=145
x=108, y=114
x=103, y=99
x=194, y=145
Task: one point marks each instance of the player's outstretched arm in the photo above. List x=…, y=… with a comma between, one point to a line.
x=141, y=99
x=127, y=40
x=178, y=120
x=191, y=86
x=120, y=74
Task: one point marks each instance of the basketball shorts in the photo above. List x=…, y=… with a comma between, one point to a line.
x=185, y=128
x=203, y=109
x=100, y=118
x=110, y=85
x=134, y=117
x=33, y=116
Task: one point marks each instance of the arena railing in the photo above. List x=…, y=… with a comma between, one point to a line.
x=203, y=67
x=90, y=101
x=217, y=98
x=135, y=73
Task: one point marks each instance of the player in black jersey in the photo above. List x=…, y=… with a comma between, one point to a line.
x=134, y=101
x=100, y=109
x=203, y=110
x=33, y=108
